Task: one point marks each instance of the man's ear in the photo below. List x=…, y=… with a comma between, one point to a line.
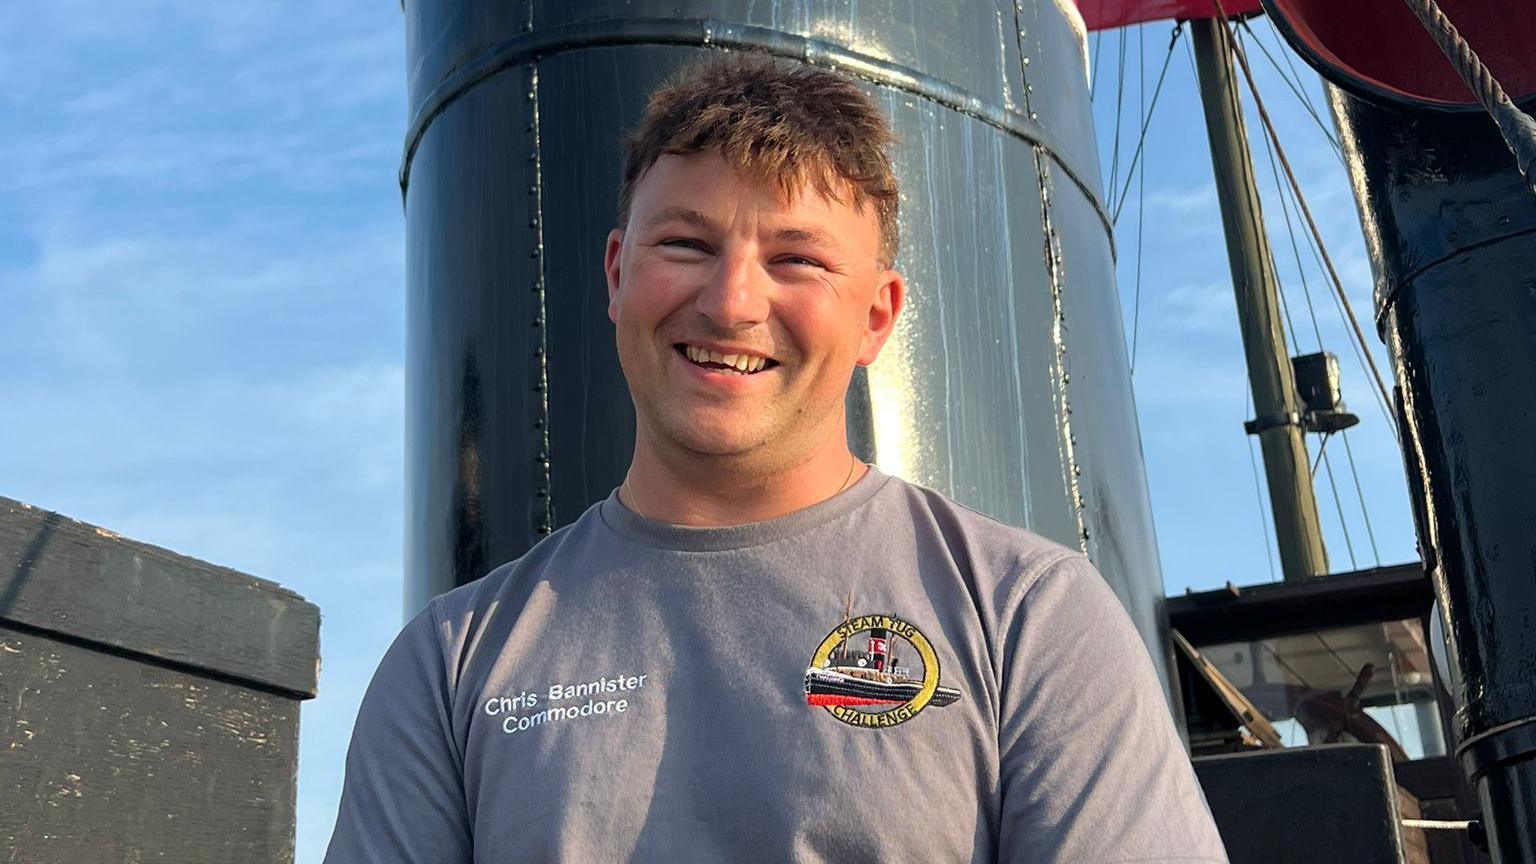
x=611, y=271
x=884, y=309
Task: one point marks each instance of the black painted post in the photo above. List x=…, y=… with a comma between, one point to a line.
x=1451, y=230
x=150, y=700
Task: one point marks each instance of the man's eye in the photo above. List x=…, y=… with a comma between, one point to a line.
x=685, y=243
x=798, y=261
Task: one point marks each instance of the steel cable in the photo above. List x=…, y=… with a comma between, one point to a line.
x=1114, y=160
x=1339, y=506
x=1295, y=87
x=1146, y=122
x=1360, y=494
x=1141, y=186
x=1258, y=490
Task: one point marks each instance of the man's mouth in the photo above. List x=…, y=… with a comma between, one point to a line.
x=729, y=364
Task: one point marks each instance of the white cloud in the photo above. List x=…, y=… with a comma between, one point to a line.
x=94, y=153
x=1193, y=307
x=1200, y=198
x=171, y=276
x=296, y=104
x=368, y=68
x=157, y=86
x=1181, y=384
x=147, y=357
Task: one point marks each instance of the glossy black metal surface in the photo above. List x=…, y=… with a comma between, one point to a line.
x=1006, y=385
x=1452, y=238
x=1462, y=334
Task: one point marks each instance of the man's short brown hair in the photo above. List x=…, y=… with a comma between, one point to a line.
x=788, y=123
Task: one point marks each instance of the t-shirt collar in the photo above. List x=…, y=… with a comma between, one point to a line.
x=688, y=538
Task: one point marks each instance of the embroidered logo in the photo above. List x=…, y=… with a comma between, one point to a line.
x=875, y=671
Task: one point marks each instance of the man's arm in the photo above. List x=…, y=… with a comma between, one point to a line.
x=403, y=798
x=1092, y=768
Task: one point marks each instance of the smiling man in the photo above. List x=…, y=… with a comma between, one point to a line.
x=760, y=648
x=744, y=288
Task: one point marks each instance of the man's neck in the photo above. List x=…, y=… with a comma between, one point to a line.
x=710, y=491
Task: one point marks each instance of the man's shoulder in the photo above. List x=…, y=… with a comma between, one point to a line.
x=479, y=594
x=981, y=538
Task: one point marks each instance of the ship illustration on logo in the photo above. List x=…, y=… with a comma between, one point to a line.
x=875, y=671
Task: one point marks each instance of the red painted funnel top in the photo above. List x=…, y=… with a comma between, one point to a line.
x=1109, y=14
x=1379, y=47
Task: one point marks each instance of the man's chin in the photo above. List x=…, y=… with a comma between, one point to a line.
x=717, y=446
x=717, y=438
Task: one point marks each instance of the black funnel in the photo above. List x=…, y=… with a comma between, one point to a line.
x=1451, y=232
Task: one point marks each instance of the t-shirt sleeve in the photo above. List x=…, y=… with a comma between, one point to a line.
x=402, y=801
x=1092, y=769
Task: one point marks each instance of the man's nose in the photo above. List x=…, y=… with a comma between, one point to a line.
x=736, y=294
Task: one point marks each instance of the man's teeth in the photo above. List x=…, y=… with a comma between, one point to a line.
x=743, y=363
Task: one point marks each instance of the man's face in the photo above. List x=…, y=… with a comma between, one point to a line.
x=716, y=267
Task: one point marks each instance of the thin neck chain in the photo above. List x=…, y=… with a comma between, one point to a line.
x=629, y=493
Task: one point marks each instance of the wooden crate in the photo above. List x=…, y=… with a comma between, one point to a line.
x=149, y=702
x=1327, y=804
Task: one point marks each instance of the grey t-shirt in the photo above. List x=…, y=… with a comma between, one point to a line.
x=884, y=676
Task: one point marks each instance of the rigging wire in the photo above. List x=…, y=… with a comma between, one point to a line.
x=1194, y=70
x=1141, y=197
x=1141, y=187
x=1320, y=448
x=1274, y=149
x=1285, y=211
x=1146, y=122
x=1301, y=203
x=1290, y=325
x=1357, y=347
x=1343, y=666
x=1295, y=87
x=1289, y=329
x=1360, y=493
x=1339, y=505
x=1295, y=75
x=1365, y=513
x=1258, y=490
x=1093, y=75
x=1280, y=661
x=1114, y=161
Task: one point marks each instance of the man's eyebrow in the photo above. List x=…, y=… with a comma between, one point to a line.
x=679, y=214
x=811, y=236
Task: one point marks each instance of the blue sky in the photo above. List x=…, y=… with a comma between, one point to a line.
x=202, y=310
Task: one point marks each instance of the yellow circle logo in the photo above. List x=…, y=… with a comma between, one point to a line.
x=875, y=671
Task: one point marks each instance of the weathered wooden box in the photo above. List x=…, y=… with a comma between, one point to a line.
x=1328, y=804
x=149, y=702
